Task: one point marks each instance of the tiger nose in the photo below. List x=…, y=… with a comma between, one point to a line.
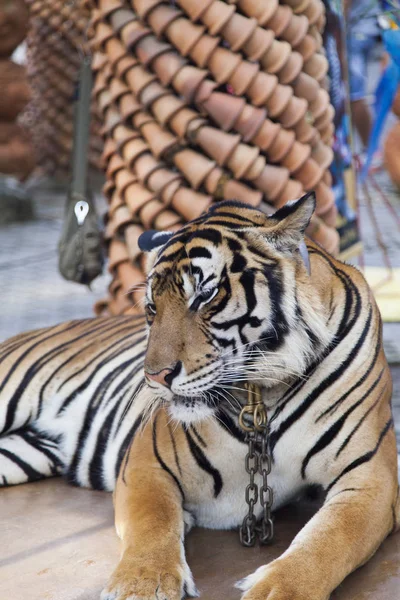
x=165, y=376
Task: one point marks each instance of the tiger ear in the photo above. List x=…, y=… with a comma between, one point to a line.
x=151, y=242
x=289, y=223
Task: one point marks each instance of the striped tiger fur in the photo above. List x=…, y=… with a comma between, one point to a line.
x=229, y=299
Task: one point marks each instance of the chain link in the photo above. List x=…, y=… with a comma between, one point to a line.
x=258, y=460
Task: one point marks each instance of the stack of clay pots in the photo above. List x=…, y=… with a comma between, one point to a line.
x=203, y=101
x=56, y=42
x=16, y=151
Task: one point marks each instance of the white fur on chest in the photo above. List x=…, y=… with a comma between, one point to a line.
x=228, y=509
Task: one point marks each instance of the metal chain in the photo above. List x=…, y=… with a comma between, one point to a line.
x=257, y=434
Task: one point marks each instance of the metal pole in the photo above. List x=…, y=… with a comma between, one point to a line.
x=81, y=129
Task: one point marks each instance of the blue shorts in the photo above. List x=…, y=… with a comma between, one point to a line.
x=359, y=46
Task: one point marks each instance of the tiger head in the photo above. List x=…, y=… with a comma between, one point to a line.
x=229, y=299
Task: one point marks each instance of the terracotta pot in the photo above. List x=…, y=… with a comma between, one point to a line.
x=136, y=196
x=294, y=112
x=204, y=49
x=327, y=178
x=246, y=162
x=322, y=154
x=160, y=178
x=218, y=15
x=299, y=6
x=161, y=17
x=237, y=191
x=167, y=192
x=166, y=107
x=146, y=166
x=119, y=18
x=223, y=63
x=305, y=132
x=132, y=150
x=280, y=20
x=159, y=140
x=276, y=57
x=250, y=122
x=272, y=181
x=188, y=80
x=123, y=66
x=190, y=204
x=149, y=48
x=224, y=109
x=309, y=174
x=330, y=216
x=14, y=19
x=217, y=144
x=325, y=236
x=262, y=11
x=152, y=92
x=291, y=69
x=320, y=104
x=316, y=66
x=326, y=118
x=194, y=166
x=239, y=31
x=128, y=106
x=149, y=212
x=132, y=234
x=124, y=179
x=195, y=9
x=137, y=79
x=325, y=198
x=292, y=191
x=307, y=47
x=115, y=164
x=327, y=134
x=279, y=100
x=267, y=134
x=181, y=121
x=296, y=31
x=144, y=7
x=245, y=79
x=281, y=145
x=168, y=219
x=184, y=35
x=296, y=157
x=117, y=253
x=263, y=88
x=258, y=44
x=314, y=11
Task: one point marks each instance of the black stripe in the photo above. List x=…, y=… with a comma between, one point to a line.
x=176, y=455
x=361, y=421
x=39, y=443
x=96, y=464
x=358, y=383
x=204, y=463
x=334, y=429
x=124, y=451
x=29, y=471
x=198, y=436
x=364, y=458
x=160, y=460
x=30, y=372
x=322, y=387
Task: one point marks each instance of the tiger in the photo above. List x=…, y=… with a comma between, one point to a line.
x=148, y=406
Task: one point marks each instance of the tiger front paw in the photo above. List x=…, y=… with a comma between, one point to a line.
x=278, y=582
x=135, y=581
